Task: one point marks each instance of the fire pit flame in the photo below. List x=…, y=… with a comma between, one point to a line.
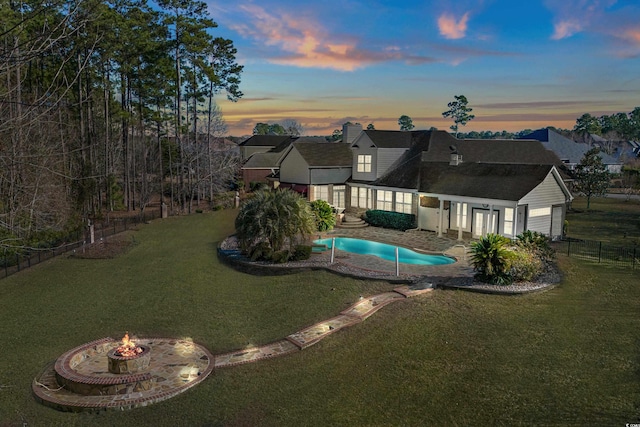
x=128, y=348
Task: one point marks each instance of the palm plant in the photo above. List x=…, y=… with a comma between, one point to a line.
x=324, y=217
x=491, y=258
x=280, y=218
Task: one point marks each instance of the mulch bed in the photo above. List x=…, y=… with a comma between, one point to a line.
x=104, y=249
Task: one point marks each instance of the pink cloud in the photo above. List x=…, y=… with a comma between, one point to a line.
x=452, y=29
x=303, y=42
x=564, y=29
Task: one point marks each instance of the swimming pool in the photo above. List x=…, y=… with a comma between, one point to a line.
x=384, y=251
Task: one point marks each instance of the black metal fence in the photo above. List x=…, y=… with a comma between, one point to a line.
x=101, y=231
x=599, y=252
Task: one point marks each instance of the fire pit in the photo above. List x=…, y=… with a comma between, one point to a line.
x=110, y=374
x=129, y=358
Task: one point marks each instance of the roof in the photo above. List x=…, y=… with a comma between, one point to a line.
x=511, y=151
x=325, y=154
x=483, y=162
x=566, y=149
x=266, y=160
x=265, y=140
x=496, y=181
x=388, y=138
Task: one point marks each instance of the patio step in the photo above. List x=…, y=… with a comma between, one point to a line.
x=351, y=222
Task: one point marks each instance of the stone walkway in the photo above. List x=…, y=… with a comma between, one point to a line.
x=306, y=337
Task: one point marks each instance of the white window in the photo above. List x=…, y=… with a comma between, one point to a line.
x=461, y=217
x=404, y=202
x=384, y=200
x=361, y=197
x=364, y=163
x=508, y=222
x=338, y=196
x=321, y=192
x=539, y=212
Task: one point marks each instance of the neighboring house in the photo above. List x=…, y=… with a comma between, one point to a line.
x=471, y=186
x=318, y=170
x=569, y=151
x=265, y=166
x=627, y=151
x=261, y=144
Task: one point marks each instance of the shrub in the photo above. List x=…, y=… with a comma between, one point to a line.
x=535, y=242
x=325, y=218
x=257, y=186
x=280, y=257
x=301, y=252
x=260, y=252
x=281, y=219
x=491, y=258
x=387, y=219
x=525, y=265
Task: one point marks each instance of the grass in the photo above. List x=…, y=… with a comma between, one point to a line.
x=612, y=221
x=565, y=356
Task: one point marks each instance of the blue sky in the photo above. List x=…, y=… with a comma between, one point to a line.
x=521, y=63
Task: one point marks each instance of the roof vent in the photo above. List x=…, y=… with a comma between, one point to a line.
x=455, y=159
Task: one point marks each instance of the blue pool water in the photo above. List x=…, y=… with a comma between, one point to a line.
x=384, y=251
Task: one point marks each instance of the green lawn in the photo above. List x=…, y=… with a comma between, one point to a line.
x=612, y=221
x=565, y=356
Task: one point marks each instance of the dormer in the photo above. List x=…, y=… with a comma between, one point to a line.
x=455, y=158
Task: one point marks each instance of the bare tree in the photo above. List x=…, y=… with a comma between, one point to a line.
x=292, y=127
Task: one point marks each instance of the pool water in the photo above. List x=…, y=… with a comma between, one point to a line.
x=384, y=251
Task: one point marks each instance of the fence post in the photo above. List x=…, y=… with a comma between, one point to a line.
x=599, y=251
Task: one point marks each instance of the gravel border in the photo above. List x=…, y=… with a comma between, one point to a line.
x=229, y=251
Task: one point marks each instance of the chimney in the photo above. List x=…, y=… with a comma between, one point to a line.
x=454, y=159
x=350, y=132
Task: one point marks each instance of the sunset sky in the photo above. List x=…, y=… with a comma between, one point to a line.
x=521, y=63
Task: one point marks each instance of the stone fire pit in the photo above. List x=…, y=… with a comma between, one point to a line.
x=97, y=376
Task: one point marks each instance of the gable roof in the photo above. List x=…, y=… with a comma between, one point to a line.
x=511, y=151
x=387, y=138
x=265, y=140
x=496, y=181
x=266, y=160
x=325, y=154
x=490, y=168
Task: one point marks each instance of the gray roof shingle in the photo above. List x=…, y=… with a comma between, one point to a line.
x=265, y=140
x=325, y=154
x=482, y=180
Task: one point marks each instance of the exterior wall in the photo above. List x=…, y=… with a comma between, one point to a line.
x=385, y=158
x=373, y=151
x=254, y=175
x=294, y=168
x=330, y=175
x=540, y=202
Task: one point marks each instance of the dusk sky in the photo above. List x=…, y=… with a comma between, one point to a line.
x=521, y=63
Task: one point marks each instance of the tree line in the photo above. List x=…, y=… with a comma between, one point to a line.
x=104, y=103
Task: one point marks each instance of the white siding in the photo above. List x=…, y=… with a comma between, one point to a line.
x=330, y=175
x=540, y=202
x=294, y=169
